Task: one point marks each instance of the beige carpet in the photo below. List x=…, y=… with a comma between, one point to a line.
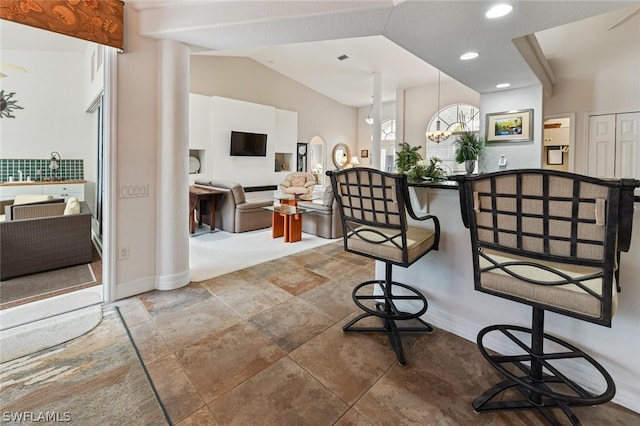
x=33, y=287
x=212, y=254
x=95, y=379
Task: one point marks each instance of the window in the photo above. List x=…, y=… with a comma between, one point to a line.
x=454, y=118
x=388, y=145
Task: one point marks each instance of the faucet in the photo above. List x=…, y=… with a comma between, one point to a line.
x=19, y=175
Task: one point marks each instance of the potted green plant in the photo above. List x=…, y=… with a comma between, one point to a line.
x=469, y=147
x=430, y=172
x=407, y=157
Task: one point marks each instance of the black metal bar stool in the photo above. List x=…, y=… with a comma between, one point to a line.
x=550, y=240
x=373, y=206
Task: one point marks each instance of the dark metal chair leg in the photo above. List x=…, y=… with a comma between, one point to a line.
x=385, y=309
x=539, y=372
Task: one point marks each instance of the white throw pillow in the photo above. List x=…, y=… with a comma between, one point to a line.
x=72, y=207
x=31, y=198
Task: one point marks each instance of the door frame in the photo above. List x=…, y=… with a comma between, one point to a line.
x=110, y=111
x=572, y=136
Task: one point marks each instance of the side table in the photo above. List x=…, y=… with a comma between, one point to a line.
x=197, y=194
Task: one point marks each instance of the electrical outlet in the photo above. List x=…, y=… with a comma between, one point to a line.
x=123, y=253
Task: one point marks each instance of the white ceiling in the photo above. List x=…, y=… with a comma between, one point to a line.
x=22, y=37
x=403, y=41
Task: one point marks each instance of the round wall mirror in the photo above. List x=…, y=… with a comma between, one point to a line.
x=341, y=155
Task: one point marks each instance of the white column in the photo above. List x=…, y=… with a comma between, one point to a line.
x=400, y=104
x=376, y=113
x=172, y=251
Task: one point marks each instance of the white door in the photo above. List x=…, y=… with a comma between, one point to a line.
x=602, y=145
x=628, y=145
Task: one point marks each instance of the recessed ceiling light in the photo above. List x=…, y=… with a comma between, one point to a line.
x=498, y=11
x=469, y=55
x=503, y=85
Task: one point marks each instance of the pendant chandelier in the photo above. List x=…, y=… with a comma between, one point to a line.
x=438, y=135
x=369, y=120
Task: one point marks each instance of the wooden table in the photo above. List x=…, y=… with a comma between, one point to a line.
x=286, y=221
x=197, y=195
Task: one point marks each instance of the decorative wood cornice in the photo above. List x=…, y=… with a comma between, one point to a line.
x=99, y=21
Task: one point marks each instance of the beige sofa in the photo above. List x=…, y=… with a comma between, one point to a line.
x=233, y=212
x=322, y=217
x=39, y=237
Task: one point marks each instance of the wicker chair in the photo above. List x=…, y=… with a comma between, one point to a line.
x=40, y=238
x=550, y=240
x=373, y=207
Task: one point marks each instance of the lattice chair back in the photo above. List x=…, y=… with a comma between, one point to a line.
x=374, y=207
x=549, y=239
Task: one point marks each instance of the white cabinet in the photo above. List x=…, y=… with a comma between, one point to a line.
x=58, y=190
x=9, y=192
x=556, y=136
x=65, y=190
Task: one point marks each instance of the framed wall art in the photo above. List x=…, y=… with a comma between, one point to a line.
x=364, y=153
x=510, y=126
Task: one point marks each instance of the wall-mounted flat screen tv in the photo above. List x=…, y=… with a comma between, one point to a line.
x=245, y=144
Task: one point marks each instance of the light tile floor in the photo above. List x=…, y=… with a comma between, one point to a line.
x=264, y=346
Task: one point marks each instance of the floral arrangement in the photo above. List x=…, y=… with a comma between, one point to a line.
x=410, y=162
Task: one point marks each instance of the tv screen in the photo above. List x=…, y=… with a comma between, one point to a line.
x=248, y=144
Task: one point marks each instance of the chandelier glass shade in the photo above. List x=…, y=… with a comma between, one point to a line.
x=369, y=120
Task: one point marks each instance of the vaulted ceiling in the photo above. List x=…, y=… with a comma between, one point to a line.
x=404, y=41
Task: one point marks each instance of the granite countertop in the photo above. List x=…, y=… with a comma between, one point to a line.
x=445, y=184
x=49, y=182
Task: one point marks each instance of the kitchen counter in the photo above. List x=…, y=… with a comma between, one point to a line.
x=58, y=189
x=52, y=182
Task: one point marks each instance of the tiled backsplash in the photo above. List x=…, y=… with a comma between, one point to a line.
x=69, y=170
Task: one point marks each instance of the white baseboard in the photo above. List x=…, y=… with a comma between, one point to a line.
x=172, y=282
x=131, y=288
x=626, y=392
x=142, y=285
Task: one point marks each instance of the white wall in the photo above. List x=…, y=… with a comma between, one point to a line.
x=247, y=80
x=137, y=150
x=520, y=155
x=54, y=117
x=594, y=74
x=211, y=121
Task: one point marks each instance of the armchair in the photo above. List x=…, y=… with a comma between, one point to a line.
x=298, y=183
x=233, y=212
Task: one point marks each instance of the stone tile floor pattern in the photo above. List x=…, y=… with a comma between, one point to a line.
x=254, y=348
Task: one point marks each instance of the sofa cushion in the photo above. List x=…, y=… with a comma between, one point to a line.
x=31, y=198
x=298, y=180
x=236, y=189
x=327, y=195
x=9, y=215
x=72, y=207
x=315, y=207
